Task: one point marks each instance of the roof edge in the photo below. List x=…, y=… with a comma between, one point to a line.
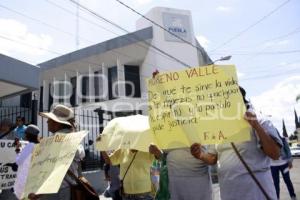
x=121, y=41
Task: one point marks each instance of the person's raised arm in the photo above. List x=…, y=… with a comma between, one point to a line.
x=105, y=157
x=208, y=158
x=269, y=146
x=104, y=153
x=153, y=149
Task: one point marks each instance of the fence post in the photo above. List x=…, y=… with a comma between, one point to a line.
x=100, y=113
x=101, y=127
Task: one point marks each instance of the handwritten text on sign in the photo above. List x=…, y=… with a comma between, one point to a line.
x=8, y=167
x=201, y=104
x=50, y=161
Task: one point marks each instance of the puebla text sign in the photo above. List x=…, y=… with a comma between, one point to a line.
x=201, y=104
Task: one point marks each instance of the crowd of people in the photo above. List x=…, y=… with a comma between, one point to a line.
x=11, y=131
x=60, y=120
x=246, y=170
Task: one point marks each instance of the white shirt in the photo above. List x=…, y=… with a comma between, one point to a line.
x=235, y=181
x=278, y=162
x=23, y=162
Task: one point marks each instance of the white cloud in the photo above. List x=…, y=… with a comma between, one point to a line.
x=203, y=41
x=240, y=75
x=276, y=43
x=142, y=2
x=224, y=8
x=17, y=31
x=279, y=102
x=283, y=63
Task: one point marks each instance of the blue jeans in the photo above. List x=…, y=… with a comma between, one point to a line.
x=284, y=169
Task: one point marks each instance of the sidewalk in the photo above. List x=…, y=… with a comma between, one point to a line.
x=295, y=176
x=216, y=193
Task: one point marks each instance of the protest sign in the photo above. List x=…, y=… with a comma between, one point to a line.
x=201, y=104
x=51, y=159
x=8, y=167
x=131, y=132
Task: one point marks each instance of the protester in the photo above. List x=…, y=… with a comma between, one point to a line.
x=283, y=165
x=24, y=157
x=235, y=181
x=185, y=170
x=107, y=178
x=20, y=129
x=134, y=172
x=112, y=176
x=61, y=120
x=6, y=132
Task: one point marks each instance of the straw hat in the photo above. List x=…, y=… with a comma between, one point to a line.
x=60, y=113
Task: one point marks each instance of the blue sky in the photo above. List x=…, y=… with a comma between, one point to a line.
x=266, y=55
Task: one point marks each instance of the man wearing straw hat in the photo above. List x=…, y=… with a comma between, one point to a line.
x=61, y=119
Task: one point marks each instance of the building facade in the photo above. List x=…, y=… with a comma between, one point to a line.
x=112, y=74
x=108, y=79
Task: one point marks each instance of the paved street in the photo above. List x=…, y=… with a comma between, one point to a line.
x=295, y=176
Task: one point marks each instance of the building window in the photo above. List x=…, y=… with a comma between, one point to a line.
x=25, y=100
x=132, y=75
x=50, y=100
x=112, y=82
x=61, y=92
x=85, y=88
x=41, y=98
x=98, y=85
x=74, y=87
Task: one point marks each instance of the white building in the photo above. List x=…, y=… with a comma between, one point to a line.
x=112, y=75
x=15, y=89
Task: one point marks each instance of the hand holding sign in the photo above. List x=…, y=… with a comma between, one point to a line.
x=51, y=159
x=196, y=150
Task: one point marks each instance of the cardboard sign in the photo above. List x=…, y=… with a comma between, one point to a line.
x=8, y=167
x=201, y=104
x=50, y=162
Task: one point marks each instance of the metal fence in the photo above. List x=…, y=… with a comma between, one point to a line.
x=86, y=119
x=12, y=112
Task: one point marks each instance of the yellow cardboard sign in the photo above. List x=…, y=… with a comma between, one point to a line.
x=201, y=104
x=131, y=132
x=50, y=161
